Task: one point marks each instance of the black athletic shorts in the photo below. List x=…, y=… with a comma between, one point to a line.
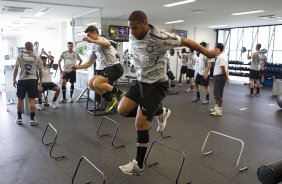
x=183, y=70
x=27, y=86
x=200, y=80
x=254, y=74
x=148, y=96
x=48, y=86
x=190, y=73
x=70, y=76
x=218, y=86
x=113, y=73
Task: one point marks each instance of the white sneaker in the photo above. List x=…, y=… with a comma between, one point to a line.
x=162, y=119
x=131, y=168
x=70, y=100
x=205, y=102
x=19, y=121
x=33, y=122
x=190, y=90
x=39, y=107
x=63, y=101
x=54, y=105
x=212, y=110
x=216, y=113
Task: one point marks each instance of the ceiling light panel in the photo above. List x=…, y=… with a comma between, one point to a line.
x=174, y=22
x=217, y=26
x=179, y=3
x=248, y=12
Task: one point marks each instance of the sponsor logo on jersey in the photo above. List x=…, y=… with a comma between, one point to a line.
x=170, y=44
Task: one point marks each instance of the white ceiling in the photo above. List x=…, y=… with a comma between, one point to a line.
x=215, y=12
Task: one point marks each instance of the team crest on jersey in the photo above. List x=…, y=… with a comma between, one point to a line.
x=153, y=40
x=149, y=48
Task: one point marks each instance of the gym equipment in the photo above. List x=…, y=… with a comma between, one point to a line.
x=279, y=100
x=156, y=163
x=271, y=173
x=91, y=164
x=227, y=136
x=54, y=141
x=243, y=50
x=116, y=130
x=277, y=87
x=171, y=52
x=98, y=108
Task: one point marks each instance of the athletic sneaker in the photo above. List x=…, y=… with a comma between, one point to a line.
x=205, y=102
x=216, y=113
x=212, y=110
x=19, y=121
x=39, y=107
x=120, y=95
x=250, y=95
x=63, y=101
x=196, y=99
x=33, y=122
x=257, y=94
x=111, y=105
x=190, y=90
x=162, y=119
x=70, y=100
x=54, y=105
x=131, y=168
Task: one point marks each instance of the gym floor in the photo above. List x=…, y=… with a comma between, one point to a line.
x=257, y=121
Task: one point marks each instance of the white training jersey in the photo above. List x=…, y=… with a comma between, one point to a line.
x=201, y=64
x=149, y=53
x=221, y=60
x=46, y=74
x=184, y=59
x=191, y=61
x=105, y=55
x=255, y=61
x=70, y=59
x=28, y=65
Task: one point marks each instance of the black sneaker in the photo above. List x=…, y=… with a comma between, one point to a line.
x=19, y=121
x=120, y=95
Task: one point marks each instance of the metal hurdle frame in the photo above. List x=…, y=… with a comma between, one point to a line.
x=90, y=163
x=156, y=163
x=227, y=136
x=115, y=133
x=53, y=143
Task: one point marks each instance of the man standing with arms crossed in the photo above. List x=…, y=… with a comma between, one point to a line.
x=70, y=58
x=144, y=97
x=28, y=82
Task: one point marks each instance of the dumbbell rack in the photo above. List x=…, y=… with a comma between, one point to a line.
x=238, y=68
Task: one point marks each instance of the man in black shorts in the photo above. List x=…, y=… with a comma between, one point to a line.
x=28, y=81
x=108, y=68
x=254, y=71
x=191, y=69
x=145, y=95
x=220, y=77
x=70, y=58
x=47, y=83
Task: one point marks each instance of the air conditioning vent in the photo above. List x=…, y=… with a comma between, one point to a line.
x=16, y=9
x=269, y=17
